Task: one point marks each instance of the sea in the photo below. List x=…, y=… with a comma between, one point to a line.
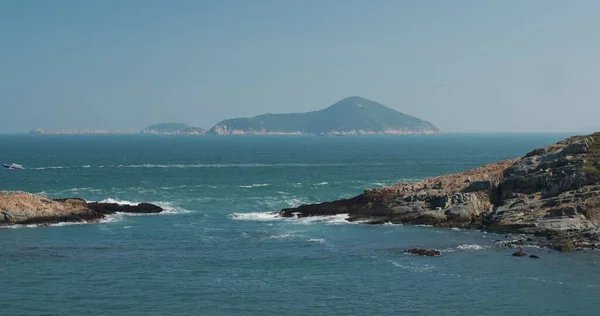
x=218, y=249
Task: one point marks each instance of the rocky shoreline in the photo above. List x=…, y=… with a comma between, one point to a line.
x=22, y=208
x=551, y=195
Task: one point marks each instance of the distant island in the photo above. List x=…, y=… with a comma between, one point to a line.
x=40, y=131
x=350, y=116
x=173, y=129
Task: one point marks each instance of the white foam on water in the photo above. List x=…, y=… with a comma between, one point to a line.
x=255, y=216
x=120, y=202
x=282, y=236
x=80, y=189
x=411, y=267
x=391, y=224
x=50, y=225
x=322, y=183
x=472, y=247
x=86, y=166
x=273, y=216
x=319, y=240
x=51, y=167
x=378, y=184
x=329, y=220
x=456, y=228
x=255, y=185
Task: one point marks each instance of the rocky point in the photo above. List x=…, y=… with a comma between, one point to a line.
x=552, y=193
x=22, y=208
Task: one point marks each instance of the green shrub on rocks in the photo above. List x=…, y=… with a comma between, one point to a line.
x=566, y=246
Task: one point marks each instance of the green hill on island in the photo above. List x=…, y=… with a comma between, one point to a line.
x=173, y=129
x=350, y=116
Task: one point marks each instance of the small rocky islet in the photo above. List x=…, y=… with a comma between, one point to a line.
x=548, y=198
x=22, y=208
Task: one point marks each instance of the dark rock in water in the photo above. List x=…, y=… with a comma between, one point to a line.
x=519, y=253
x=534, y=256
x=112, y=208
x=423, y=252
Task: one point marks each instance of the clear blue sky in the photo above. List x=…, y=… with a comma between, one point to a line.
x=466, y=66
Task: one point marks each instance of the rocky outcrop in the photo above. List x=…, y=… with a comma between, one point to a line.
x=423, y=252
x=27, y=209
x=551, y=192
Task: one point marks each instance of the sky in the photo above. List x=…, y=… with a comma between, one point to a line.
x=464, y=65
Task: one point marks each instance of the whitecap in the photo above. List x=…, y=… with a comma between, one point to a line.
x=471, y=247
x=255, y=216
x=273, y=216
x=281, y=236
x=51, y=167
x=255, y=185
x=319, y=240
x=322, y=183
x=86, y=166
x=411, y=267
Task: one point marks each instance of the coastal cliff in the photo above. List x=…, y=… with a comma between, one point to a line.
x=22, y=208
x=551, y=192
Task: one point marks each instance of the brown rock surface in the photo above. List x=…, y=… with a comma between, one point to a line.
x=552, y=192
x=26, y=208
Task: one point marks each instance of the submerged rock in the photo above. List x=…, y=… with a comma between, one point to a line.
x=519, y=253
x=423, y=252
x=36, y=209
x=551, y=192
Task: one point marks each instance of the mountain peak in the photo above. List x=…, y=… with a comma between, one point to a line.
x=349, y=116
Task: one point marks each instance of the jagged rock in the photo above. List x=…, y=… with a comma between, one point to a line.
x=552, y=192
x=519, y=253
x=423, y=252
x=26, y=208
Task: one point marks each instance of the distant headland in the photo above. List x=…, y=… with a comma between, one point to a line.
x=350, y=116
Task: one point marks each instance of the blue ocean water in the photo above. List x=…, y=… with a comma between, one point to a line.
x=218, y=251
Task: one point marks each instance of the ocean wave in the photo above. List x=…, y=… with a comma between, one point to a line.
x=412, y=267
x=319, y=240
x=254, y=185
x=51, y=167
x=322, y=183
x=255, y=216
x=281, y=236
x=472, y=247
x=234, y=165
x=49, y=225
x=86, y=166
x=273, y=216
